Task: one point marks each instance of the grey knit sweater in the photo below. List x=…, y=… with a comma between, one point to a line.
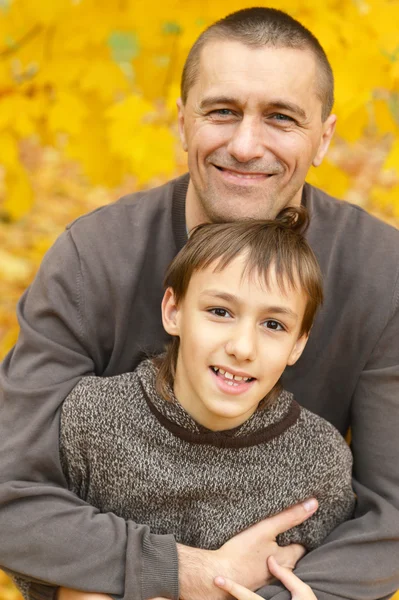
x=126, y=450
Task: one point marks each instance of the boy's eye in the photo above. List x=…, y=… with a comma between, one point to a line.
x=220, y=312
x=275, y=325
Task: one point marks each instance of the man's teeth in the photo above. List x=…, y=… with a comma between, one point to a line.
x=230, y=376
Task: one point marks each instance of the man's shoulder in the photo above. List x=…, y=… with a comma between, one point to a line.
x=147, y=227
x=135, y=208
x=336, y=215
x=358, y=253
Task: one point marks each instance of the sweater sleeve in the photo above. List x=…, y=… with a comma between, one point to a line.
x=359, y=559
x=48, y=534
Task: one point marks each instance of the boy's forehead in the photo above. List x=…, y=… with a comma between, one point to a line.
x=239, y=274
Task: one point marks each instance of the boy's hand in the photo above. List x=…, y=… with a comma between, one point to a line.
x=298, y=589
x=242, y=559
x=69, y=594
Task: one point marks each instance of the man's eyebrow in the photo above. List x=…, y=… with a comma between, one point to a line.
x=286, y=105
x=212, y=100
x=277, y=104
x=226, y=296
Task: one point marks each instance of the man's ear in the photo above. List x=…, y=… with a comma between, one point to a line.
x=180, y=120
x=327, y=133
x=298, y=349
x=170, y=313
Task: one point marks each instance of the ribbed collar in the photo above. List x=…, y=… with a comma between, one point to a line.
x=263, y=426
x=179, y=210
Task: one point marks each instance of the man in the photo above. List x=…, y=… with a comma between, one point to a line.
x=254, y=115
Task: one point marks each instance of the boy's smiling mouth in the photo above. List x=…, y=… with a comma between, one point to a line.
x=235, y=380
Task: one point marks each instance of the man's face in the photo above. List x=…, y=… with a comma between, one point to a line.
x=252, y=128
x=229, y=325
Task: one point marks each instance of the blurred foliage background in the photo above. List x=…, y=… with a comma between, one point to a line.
x=87, y=113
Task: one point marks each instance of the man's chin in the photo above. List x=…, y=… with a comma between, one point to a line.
x=239, y=209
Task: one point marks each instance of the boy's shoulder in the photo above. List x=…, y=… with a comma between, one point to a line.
x=323, y=440
x=96, y=399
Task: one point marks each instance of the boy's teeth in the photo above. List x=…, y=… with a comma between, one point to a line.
x=230, y=376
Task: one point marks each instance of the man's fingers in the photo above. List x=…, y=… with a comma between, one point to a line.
x=288, y=556
x=299, y=590
x=235, y=589
x=290, y=517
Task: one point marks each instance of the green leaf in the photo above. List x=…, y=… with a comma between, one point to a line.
x=124, y=46
x=171, y=28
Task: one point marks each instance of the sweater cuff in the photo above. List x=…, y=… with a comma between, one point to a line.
x=41, y=591
x=160, y=569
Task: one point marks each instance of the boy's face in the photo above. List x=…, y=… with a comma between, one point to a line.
x=232, y=325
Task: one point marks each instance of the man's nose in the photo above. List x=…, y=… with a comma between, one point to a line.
x=246, y=142
x=242, y=344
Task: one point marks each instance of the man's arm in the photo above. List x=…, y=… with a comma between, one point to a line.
x=360, y=558
x=48, y=533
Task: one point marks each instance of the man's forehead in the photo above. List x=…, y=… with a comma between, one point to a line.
x=215, y=51
x=226, y=65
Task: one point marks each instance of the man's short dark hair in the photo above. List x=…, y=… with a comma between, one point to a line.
x=263, y=27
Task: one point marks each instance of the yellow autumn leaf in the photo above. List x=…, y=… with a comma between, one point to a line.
x=106, y=79
x=19, y=194
x=43, y=11
x=13, y=268
x=392, y=161
x=67, y=113
x=383, y=117
x=9, y=154
x=94, y=152
x=352, y=123
x=329, y=178
x=154, y=155
x=16, y=114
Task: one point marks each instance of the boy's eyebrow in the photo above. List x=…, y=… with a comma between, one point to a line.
x=232, y=298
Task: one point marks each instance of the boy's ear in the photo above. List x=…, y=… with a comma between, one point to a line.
x=170, y=312
x=298, y=349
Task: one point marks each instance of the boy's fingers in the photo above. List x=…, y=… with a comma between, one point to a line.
x=288, y=556
x=235, y=589
x=290, y=517
x=293, y=584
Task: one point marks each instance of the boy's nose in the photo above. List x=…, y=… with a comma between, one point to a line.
x=242, y=345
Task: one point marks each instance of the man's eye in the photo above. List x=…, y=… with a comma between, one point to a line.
x=222, y=112
x=274, y=325
x=220, y=312
x=280, y=117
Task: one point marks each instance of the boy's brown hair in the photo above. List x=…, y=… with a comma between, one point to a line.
x=278, y=244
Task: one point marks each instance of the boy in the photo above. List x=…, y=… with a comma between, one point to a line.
x=203, y=442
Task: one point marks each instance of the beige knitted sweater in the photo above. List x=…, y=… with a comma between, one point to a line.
x=126, y=450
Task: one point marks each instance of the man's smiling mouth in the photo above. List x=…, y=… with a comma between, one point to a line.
x=243, y=174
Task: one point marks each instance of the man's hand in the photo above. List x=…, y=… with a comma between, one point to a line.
x=242, y=559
